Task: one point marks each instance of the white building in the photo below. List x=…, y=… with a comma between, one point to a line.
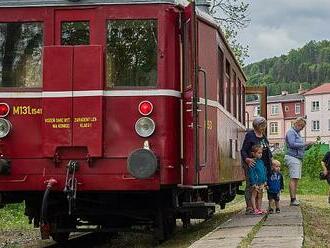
x=317, y=110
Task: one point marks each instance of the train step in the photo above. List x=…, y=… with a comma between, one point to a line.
x=198, y=204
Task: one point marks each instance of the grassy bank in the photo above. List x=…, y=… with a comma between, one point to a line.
x=12, y=217
x=316, y=213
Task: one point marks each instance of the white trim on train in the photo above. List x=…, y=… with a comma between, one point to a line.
x=114, y=93
x=84, y=93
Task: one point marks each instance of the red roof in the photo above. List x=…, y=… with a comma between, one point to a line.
x=322, y=89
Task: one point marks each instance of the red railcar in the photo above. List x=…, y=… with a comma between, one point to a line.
x=117, y=113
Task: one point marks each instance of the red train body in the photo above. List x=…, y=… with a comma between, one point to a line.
x=74, y=80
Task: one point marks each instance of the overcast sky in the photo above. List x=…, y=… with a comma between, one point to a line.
x=277, y=26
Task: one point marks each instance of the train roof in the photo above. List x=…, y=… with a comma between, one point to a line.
x=200, y=10
x=32, y=3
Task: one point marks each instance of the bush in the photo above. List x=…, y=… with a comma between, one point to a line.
x=312, y=160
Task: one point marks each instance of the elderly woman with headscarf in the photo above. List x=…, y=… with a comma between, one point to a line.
x=255, y=137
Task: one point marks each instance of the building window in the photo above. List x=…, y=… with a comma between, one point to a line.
x=256, y=111
x=132, y=51
x=315, y=106
x=275, y=109
x=273, y=128
x=286, y=108
x=297, y=109
x=315, y=125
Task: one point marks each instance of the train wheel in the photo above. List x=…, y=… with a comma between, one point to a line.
x=61, y=237
x=57, y=235
x=186, y=221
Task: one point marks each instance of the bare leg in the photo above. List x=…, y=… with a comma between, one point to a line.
x=277, y=204
x=254, y=199
x=259, y=200
x=270, y=204
x=293, y=187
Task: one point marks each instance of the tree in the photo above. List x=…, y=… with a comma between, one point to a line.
x=232, y=16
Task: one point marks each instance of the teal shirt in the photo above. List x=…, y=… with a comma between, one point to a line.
x=257, y=174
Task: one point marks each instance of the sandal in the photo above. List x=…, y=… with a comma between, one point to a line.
x=270, y=210
x=263, y=211
x=257, y=212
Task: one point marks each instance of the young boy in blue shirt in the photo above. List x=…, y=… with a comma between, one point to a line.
x=275, y=185
x=257, y=178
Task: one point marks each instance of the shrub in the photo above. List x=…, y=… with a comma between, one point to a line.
x=312, y=160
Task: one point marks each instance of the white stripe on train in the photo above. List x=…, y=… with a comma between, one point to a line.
x=113, y=93
x=79, y=93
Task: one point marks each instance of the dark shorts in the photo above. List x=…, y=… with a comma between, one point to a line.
x=273, y=196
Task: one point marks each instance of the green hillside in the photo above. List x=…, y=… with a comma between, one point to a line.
x=308, y=66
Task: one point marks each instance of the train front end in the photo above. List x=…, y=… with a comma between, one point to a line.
x=90, y=112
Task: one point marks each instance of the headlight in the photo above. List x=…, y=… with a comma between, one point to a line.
x=142, y=163
x=5, y=127
x=145, y=127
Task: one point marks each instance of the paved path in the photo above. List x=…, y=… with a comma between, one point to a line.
x=277, y=230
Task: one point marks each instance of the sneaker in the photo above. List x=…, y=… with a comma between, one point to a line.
x=278, y=210
x=270, y=210
x=295, y=203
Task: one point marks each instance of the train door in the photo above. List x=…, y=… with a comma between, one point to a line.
x=190, y=114
x=73, y=85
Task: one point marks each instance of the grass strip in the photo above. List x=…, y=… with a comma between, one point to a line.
x=246, y=242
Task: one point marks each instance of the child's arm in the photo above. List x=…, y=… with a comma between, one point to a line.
x=325, y=170
x=325, y=161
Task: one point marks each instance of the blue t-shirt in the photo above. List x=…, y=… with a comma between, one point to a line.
x=295, y=143
x=275, y=182
x=257, y=173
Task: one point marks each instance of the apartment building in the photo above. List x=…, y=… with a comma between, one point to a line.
x=317, y=107
x=282, y=110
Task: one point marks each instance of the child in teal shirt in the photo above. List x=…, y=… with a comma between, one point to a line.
x=258, y=177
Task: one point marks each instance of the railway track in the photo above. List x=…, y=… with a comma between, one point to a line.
x=76, y=240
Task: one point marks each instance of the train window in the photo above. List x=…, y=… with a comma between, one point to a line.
x=187, y=51
x=234, y=92
x=131, y=53
x=20, y=54
x=221, y=76
x=75, y=33
x=239, y=90
x=228, y=87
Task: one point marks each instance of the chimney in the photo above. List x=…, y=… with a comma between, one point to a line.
x=284, y=93
x=203, y=5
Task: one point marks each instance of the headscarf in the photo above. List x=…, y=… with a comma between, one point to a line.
x=259, y=121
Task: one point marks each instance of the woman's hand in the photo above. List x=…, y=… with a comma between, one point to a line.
x=325, y=172
x=250, y=162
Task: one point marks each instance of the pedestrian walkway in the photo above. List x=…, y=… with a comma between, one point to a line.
x=277, y=230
